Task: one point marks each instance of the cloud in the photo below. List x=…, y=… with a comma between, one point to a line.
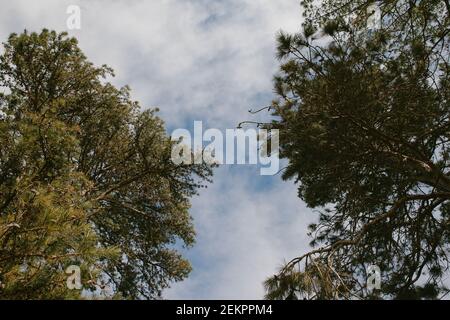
x=243, y=236
x=204, y=60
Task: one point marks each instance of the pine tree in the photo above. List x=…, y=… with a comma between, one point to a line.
x=85, y=179
x=364, y=118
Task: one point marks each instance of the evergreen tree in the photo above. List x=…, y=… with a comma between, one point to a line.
x=85, y=179
x=364, y=119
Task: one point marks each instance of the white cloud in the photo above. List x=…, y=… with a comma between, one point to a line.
x=244, y=235
x=203, y=58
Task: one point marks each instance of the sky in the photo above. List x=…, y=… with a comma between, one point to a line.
x=207, y=60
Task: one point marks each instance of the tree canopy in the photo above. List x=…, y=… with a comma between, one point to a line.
x=364, y=119
x=85, y=179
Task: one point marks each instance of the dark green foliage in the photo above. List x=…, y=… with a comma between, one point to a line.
x=85, y=179
x=364, y=121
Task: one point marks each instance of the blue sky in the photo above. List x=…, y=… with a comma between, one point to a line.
x=203, y=60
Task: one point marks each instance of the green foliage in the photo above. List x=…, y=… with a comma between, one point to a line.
x=364, y=121
x=85, y=179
